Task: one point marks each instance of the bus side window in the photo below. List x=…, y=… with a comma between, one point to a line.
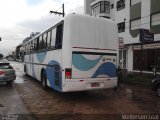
x=37, y=48
x=59, y=36
x=35, y=45
x=48, y=39
x=25, y=48
x=40, y=47
x=44, y=41
x=28, y=47
x=53, y=38
x=31, y=46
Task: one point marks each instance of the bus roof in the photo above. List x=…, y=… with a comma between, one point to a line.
x=71, y=17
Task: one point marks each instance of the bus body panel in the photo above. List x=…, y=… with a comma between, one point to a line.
x=90, y=48
x=90, y=32
x=93, y=66
x=87, y=84
x=46, y=61
x=83, y=31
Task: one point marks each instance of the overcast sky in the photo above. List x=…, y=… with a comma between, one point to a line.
x=21, y=17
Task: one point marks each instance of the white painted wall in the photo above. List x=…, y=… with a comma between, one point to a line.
x=145, y=14
x=130, y=59
x=124, y=16
x=87, y=6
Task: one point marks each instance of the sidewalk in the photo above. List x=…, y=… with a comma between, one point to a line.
x=11, y=105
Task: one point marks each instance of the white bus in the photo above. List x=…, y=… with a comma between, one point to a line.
x=78, y=53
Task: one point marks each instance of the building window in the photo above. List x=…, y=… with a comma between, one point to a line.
x=121, y=27
x=155, y=22
x=133, y=2
x=105, y=7
x=96, y=9
x=101, y=7
x=155, y=19
x=112, y=6
x=120, y=5
x=135, y=24
x=150, y=58
x=123, y=59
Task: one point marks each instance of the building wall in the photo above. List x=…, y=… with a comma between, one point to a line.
x=130, y=59
x=87, y=6
x=136, y=14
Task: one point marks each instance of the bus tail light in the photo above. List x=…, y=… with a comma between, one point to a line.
x=68, y=73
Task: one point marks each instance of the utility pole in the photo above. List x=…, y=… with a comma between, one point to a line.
x=63, y=10
x=59, y=13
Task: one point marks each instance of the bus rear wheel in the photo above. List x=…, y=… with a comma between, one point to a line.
x=44, y=80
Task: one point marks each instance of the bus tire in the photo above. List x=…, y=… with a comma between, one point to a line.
x=44, y=80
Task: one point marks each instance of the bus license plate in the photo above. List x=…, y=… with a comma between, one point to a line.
x=95, y=84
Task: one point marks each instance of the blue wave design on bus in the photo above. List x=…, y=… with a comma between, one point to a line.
x=33, y=70
x=32, y=66
x=108, y=69
x=83, y=64
x=50, y=70
x=41, y=56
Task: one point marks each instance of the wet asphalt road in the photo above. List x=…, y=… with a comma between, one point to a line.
x=11, y=104
x=10, y=101
x=128, y=99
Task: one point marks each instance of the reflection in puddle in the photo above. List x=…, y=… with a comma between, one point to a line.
x=19, y=80
x=128, y=92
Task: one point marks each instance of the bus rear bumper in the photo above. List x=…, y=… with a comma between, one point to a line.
x=89, y=84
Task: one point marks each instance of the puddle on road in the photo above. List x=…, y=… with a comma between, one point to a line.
x=129, y=92
x=19, y=80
